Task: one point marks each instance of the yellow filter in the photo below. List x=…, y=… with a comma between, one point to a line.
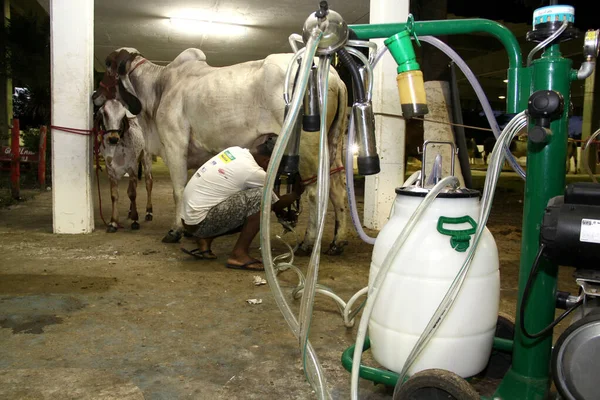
x=412, y=93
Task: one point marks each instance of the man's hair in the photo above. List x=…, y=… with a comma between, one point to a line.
x=267, y=146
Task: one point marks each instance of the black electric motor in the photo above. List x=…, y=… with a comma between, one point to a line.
x=570, y=234
x=571, y=227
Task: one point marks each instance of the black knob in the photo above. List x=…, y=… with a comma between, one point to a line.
x=323, y=10
x=545, y=104
x=539, y=134
x=543, y=107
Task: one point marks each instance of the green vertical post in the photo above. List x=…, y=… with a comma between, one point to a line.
x=529, y=376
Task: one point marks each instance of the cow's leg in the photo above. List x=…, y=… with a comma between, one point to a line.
x=132, y=193
x=306, y=246
x=338, y=197
x=114, y=197
x=147, y=160
x=177, y=163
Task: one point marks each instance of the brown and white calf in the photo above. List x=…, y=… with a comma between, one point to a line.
x=123, y=147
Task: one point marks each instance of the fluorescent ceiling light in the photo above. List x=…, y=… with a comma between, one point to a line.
x=505, y=81
x=502, y=97
x=201, y=27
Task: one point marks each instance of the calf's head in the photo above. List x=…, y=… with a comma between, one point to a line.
x=115, y=119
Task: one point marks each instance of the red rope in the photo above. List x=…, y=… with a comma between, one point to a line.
x=137, y=65
x=313, y=179
x=585, y=141
x=83, y=132
x=97, y=157
x=87, y=132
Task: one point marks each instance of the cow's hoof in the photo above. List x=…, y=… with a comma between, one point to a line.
x=304, y=250
x=172, y=237
x=111, y=229
x=336, y=249
x=135, y=225
x=148, y=217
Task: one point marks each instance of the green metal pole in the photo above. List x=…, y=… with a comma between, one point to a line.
x=457, y=27
x=529, y=376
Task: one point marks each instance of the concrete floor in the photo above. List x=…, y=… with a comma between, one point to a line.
x=125, y=316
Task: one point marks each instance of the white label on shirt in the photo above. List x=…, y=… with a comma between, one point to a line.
x=590, y=231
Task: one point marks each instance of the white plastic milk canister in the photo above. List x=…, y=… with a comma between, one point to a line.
x=419, y=278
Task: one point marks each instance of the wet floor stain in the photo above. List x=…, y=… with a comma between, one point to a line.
x=30, y=324
x=11, y=284
x=31, y=314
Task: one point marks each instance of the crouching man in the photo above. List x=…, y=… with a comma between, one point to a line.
x=223, y=197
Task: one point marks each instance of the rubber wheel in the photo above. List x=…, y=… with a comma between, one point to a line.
x=436, y=384
x=559, y=379
x=500, y=361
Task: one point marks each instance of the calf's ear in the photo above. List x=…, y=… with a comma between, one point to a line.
x=133, y=103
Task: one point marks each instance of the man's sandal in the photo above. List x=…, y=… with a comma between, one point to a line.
x=200, y=254
x=246, y=266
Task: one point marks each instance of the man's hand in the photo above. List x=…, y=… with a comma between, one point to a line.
x=298, y=187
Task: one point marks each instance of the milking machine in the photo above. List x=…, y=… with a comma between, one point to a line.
x=433, y=293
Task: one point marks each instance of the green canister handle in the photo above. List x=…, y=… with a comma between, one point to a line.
x=459, y=239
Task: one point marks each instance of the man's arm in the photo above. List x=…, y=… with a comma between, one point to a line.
x=289, y=198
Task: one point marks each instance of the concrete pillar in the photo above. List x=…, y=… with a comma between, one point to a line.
x=390, y=128
x=439, y=103
x=72, y=52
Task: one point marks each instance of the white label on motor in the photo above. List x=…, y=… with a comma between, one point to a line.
x=590, y=231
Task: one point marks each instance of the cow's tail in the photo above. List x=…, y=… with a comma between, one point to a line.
x=339, y=127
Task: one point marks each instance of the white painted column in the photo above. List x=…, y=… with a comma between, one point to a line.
x=72, y=52
x=389, y=126
x=439, y=103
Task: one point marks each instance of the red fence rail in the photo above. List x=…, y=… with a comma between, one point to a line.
x=13, y=156
x=15, y=167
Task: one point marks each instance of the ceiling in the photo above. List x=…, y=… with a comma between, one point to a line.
x=261, y=27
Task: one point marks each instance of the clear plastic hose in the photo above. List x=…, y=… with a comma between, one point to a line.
x=485, y=104
x=378, y=281
x=288, y=74
x=546, y=41
x=586, y=151
x=350, y=156
x=313, y=370
x=312, y=275
x=372, y=46
x=497, y=160
x=482, y=99
x=350, y=185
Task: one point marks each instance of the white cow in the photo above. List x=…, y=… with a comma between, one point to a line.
x=123, y=147
x=190, y=111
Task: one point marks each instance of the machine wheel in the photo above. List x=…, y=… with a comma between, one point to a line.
x=436, y=384
x=500, y=361
x=574, y=368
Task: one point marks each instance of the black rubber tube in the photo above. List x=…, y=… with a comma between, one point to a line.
x=349, y=63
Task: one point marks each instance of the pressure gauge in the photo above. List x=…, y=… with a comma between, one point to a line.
x=591, y=44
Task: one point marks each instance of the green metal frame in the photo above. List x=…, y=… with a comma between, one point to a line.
x=529, y=376
x=390, y=378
